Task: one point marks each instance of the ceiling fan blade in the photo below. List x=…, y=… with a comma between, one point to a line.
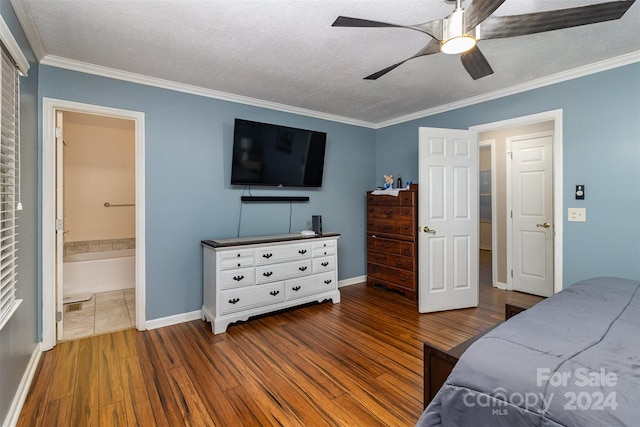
x=345, y=21
x=432, y=28
x=531, y=23
x=384, y=71
x=479, y=10
x=475, y=63
x=432, y=47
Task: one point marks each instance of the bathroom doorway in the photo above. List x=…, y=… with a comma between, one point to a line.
x=98, y=210
x=93, y=220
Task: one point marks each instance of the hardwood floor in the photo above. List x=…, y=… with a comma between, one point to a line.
x=358, y=362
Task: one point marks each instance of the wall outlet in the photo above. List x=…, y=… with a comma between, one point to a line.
x=578, y=214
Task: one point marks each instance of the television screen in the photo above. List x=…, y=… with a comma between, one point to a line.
x=267, y=154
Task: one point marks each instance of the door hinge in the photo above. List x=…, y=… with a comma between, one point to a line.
x=510, y=155
x=58, y=132
x=511, y=273
x=58, y=316
x=58, y=224
x=511, y=214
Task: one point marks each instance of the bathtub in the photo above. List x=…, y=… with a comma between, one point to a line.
x=94, y=272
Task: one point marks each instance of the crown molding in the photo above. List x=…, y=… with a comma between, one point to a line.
x=83, y=67
x=596, y=67
x=13, y=47
x=20, y=7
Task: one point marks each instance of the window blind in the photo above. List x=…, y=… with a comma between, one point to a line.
x=9, y=183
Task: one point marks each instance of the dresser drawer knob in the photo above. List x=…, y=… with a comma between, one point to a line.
x=274, y=293
x=328, y=281
x=267, y=256
x=296, y=288
x=303, y=268
x=267, y=273
x=234, y=301
x=238, y=278
x=302, y=251
x=324, y=264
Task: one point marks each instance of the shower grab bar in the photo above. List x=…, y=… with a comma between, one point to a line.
x=109, y=205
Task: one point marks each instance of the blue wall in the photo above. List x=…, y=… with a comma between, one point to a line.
x=188, y=196
x=601, y=140
x=20, y=336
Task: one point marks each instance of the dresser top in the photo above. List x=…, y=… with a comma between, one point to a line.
x=254, y=240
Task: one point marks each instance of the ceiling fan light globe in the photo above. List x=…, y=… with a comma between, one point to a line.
x=457, y=44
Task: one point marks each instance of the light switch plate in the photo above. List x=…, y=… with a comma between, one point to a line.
x=578, y=214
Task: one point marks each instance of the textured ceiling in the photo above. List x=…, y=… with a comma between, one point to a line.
x=286, y=52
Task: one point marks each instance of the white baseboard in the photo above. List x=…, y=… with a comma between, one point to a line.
x=173, y=320
x=352, y=281
x=23, y=388
x=501, y=285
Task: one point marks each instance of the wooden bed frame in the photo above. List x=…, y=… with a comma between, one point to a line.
x=438, y=363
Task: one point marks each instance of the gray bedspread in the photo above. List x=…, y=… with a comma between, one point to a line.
x=571, y=360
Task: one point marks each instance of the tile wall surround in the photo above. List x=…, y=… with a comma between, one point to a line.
x=87, y=246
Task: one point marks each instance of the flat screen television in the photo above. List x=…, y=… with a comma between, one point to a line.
x=268, y=154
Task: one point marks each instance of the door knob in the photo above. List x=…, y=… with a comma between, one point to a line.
x=428, y=230
x=545, y=225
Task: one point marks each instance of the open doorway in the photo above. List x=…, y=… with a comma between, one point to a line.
x=98, y=211
x=486, y=184
x=498, y=136
x=93, y=214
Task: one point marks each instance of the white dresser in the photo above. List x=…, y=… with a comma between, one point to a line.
x=248, y=276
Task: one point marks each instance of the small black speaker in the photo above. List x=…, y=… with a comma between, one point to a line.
x=316, y=223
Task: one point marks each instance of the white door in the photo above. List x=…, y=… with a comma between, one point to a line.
x=532, y=214
x=60, y=232
x=448, y=219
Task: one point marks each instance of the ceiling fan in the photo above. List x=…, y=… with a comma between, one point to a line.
x=463, y=28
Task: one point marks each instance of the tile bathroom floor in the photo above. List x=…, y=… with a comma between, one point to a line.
x=104, y=312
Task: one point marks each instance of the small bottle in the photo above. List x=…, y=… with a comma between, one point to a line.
x=399, y=183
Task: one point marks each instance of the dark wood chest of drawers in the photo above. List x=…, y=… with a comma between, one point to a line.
x=392, y=244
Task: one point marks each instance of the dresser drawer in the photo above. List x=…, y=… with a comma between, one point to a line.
x=297, y=288
x=378, y=257
x=404, y=198
x=397, y=261
x=287, y=270
x=238, y=253
x=389, y=227
x=274, y=254
x=256, y=296
x=324, y=248
x=402, y=213
x=403, y=278
x=237, y=262
x=237, y=278
x=320, y=265
x=402, y=262
x=391, y=246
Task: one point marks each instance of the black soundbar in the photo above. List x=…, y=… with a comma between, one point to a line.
x=274, y=198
